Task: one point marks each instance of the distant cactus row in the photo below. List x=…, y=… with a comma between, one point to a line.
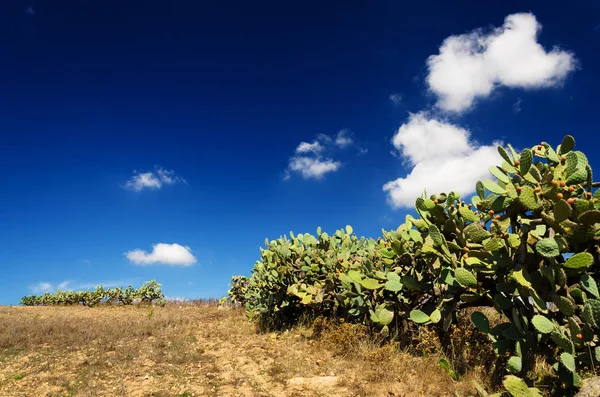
x=527, y=245
x=149, y=292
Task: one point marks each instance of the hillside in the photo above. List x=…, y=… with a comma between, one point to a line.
x=198, y=350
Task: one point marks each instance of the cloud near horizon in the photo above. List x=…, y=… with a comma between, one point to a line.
x=452, y=163
x=470, y=66
x=163, y=254
x=152, y=179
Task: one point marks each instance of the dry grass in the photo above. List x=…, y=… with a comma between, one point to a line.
x=202, y=350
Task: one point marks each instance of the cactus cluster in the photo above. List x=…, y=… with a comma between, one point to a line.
x=149, y=292
x=526, y=244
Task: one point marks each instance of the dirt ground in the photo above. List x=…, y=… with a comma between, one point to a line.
x=194, y=350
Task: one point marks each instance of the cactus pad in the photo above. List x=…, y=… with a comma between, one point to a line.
x=589, y=217
x=581, y=260
x=419, y=317
x=525, y=161
x=542, y=324
x=567, y=144
x=568, y=361
x=465, y=278
x=564, y=304
x=548, y=248
x=481, y=322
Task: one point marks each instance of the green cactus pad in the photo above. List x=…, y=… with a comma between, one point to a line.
x=564, y=304
x=568, y=143
x=382, y=315
x=577, y=177
x=504, y=155
x=494, y=187
x=499, y=174
x=551, y=154
x=568, y=361
x=514, y=365
x=481, y=322
x=525, y=161
x=411, y=283
x=548, y=248
x=476, y=234
x=593, y=306
x=370, y=283
x=589, y=284
x=578, y=295
x=589, y=218
x=419, y=317
x=494, y=244
x=436, y=235
x=480, y=190
x=579, y=261
x=393, y=285
x=465, y=278
x=435, y=316
x=542, y=324
x=518, y=388
x=529, y=199
x=562, y=211
x=467, y=214
x=562, y=342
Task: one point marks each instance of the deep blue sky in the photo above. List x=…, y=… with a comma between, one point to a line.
x=222, y=93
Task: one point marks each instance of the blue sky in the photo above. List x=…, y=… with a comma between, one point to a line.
x=166, y=140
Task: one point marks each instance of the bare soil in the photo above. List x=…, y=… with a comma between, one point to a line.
x=196, y=350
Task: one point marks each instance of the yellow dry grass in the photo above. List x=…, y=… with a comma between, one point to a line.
x=200, y=350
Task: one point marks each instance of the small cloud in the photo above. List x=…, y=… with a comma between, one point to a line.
x=64, y=285
x=41, y=288
x=167, y=254
x=396, y=99
x=86, y=261
x=343, y=140
x=470, y=66
x=152, y=179
x=314, y=168
x=517, y=106
x=305, y=147
x=30, y=11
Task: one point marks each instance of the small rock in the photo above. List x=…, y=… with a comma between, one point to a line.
x=589, y=387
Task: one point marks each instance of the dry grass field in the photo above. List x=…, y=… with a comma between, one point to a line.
x=200, y=350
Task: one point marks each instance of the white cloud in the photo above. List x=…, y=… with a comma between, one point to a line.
x=152, y=179
x=41, y=288
x=472, y=65
x=305, y=147
x=343, y=140
x=310, y=160
x=314, y=168
x=396, y=99
x=168, y=254
x=443, y=159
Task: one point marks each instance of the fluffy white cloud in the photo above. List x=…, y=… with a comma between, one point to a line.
x=314, y=168
x=168, y=254
x=310, y=160
x=443, y=157
x=396, y=99
x=305, y=147
x=472, y=65
x=152, y=179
